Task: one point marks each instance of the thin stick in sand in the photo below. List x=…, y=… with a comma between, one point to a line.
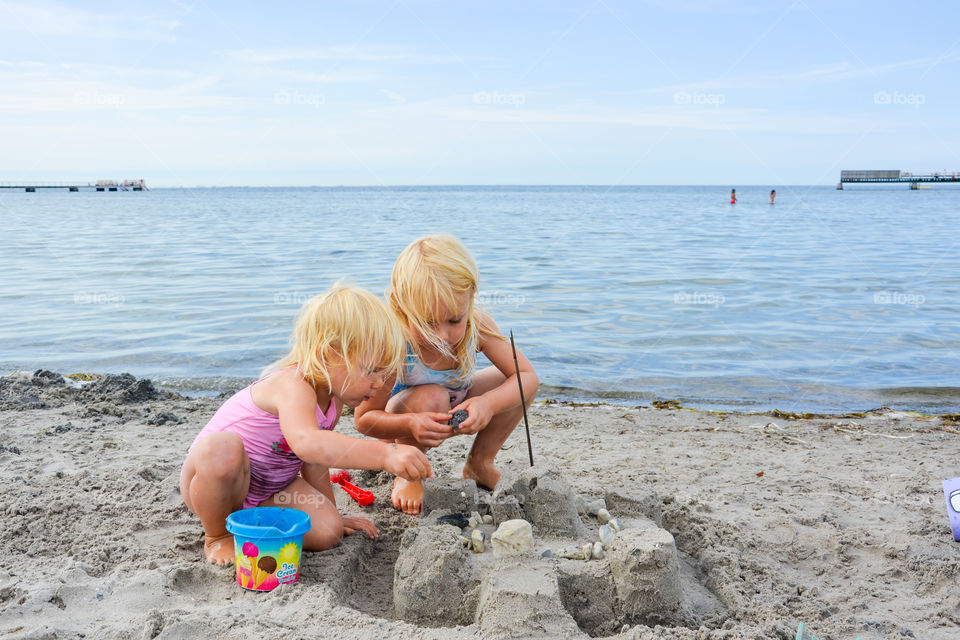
x=523, y=400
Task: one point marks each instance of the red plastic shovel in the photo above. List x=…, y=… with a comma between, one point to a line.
x=362, y=496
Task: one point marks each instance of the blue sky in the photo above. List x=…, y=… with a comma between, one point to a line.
x=197, y=92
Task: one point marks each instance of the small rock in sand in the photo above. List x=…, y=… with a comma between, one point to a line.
x=512, y=538
x=594, y=507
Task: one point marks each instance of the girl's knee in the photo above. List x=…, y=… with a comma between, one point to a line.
x=426, y=397
x=219, y=455
x=531, y=392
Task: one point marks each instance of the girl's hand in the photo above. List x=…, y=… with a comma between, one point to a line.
x=407, y=462
x=428, y=428
x=480, y=415
x=354, y=524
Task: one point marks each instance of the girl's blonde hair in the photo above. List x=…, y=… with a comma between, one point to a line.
x=346, y=323
x=427, y=278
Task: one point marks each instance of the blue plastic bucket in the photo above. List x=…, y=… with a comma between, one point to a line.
x=267, y=542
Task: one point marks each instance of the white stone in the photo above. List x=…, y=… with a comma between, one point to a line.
x=598, y=551
x=512, y=538
x=594, y=507
x=607, y=534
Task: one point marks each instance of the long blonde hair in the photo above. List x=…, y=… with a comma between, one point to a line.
x=346, y=323
x=428, y=276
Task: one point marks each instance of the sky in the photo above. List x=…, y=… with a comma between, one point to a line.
x=717, y=92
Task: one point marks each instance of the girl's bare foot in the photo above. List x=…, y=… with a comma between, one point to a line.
x=219, y=549
x=483, y=473
x=407, y=496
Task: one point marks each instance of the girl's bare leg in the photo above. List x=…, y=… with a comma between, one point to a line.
x=407, y=496
x=214, y=482
x=487, y=443
x=326, y=524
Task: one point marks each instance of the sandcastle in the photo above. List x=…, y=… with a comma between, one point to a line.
x=534, y=558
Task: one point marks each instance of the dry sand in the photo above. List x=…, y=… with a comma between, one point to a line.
x=837, y=522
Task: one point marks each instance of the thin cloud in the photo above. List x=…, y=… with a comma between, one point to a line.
x=394, y=97
x=61, y=20
x=369, y=53
x=829, y=73
x=692, y=118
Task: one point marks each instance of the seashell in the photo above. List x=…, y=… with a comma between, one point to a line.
x=594, y=507
x=573, y=554
x=616, y=524
x=607, y=534
x=475, y=520
x=478, y=539
x=603, y=516
x=598, y=551
x=488, y=519
x=586, y=551
x=546, y=553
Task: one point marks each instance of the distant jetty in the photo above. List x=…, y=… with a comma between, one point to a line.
x=895, y=175
x=99, y=185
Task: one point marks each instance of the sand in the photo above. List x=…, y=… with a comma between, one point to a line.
x=836, y=522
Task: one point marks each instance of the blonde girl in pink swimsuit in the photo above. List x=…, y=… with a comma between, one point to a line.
x=433, y=287
x=272, y=443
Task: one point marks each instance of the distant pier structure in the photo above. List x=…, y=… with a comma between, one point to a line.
x=99, y=185
x=895, y=175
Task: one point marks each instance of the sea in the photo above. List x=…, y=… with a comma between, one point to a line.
x=826, y=301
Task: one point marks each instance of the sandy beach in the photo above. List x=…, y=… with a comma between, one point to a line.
x=837, y=522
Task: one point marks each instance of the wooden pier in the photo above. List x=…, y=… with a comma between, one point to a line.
x=99, y=185
x=895, y=175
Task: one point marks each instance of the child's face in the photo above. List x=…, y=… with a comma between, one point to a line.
x=451, y=324
x=356, y=385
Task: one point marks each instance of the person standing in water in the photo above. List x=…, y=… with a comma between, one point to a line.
x=733, y=196
x=773, y=194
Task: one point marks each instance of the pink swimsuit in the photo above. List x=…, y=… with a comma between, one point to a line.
x=273, y=465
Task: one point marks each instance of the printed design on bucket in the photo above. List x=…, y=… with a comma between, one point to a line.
x=268, y=543
x=260, y=570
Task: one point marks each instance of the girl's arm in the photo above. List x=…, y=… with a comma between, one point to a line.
x=318, y=477
x=372, y=419
x=483, y=407
x=296, y=406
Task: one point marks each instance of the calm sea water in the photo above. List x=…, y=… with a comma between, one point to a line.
x=828, y=300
